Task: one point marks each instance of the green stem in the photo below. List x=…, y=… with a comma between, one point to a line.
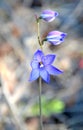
x=38, y=35
x=40, y=103
x=40, y=82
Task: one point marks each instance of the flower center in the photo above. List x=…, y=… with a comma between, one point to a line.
x=41, y=64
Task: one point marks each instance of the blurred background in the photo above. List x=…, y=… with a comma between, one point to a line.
x=62, y=98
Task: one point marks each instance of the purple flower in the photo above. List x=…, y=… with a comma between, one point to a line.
x=55, y=37
x=41, y=66
x=48, y=15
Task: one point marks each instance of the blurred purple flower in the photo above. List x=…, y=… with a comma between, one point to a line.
x=41, y=66
x=55, y=37
x=48, y=15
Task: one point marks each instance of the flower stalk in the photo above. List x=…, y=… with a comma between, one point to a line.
x=38, y=33
x=40, y=82
x=40, y=104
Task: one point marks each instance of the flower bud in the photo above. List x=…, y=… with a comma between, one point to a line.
x=55, y=37
x=48, y=15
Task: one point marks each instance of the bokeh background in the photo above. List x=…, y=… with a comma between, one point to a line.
x=62, y=98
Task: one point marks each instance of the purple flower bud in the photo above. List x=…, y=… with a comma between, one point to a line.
x=55, y=37
x=48, y=15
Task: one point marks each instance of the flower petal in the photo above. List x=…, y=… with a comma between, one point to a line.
x=38, y=54
x=34, y=64
x=53, y=70
x=54, y=33
x=34, y=74
x=55, y=42
x=45, y=75
x=48, y=59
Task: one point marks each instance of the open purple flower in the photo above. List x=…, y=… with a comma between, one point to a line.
x=48, y=15
x=55, y=37
x=41, y=66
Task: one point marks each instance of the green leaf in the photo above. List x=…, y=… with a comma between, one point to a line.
x=49, y=107
x=56, y=106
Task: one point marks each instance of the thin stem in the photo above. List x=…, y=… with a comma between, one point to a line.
x=40, y=80
x=38, y=34
x=40, y=103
